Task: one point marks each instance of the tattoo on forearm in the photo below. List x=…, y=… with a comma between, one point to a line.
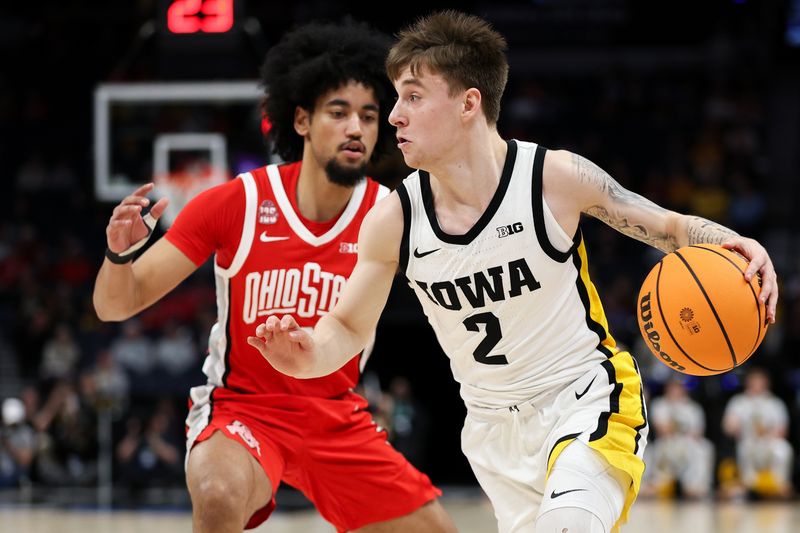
x=596, y=177
x=701, y=230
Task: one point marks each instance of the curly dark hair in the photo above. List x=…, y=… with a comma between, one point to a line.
x=316, y=58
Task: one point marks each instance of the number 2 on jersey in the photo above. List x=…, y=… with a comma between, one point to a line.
x=493, y=336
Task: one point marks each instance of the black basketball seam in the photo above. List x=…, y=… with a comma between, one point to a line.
x=666, y=326
x=711, y=305
x=752, y=290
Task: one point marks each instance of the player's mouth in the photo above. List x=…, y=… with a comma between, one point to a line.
x=353, y=150
x=402, y=142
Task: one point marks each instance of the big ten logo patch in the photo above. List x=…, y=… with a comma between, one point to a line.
x=267, y=213
x=348, y=247
x=510, y=229
x=237, y=428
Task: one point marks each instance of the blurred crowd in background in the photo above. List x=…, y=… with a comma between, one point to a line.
x=694, y=139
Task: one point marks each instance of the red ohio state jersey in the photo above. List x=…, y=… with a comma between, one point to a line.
x=270, y=261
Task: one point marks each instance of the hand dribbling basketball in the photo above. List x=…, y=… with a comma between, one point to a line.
x=698, y=312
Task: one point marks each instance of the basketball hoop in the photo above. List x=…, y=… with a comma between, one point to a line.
x=180, y=173
x=183, y=185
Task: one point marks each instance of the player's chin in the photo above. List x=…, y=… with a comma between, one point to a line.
x=411, y=160
x=352, y=163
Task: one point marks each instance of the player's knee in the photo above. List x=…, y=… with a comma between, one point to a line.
x=435, y=519
x=569, y=520
x=216, y=496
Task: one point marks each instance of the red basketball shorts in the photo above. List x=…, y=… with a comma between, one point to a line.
x=331, y=450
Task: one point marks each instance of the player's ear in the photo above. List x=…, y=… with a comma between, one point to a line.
x=471, y=103
x=302, y=121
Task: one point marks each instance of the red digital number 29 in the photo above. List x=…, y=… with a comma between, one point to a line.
x=192, y=16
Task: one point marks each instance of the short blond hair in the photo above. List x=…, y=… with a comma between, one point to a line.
x=463, y=49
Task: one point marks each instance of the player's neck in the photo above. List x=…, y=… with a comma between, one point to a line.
x=471, y=174
x=319, y=199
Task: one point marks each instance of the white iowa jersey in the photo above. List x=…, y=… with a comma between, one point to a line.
x=510, y=301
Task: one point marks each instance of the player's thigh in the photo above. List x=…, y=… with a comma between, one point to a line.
x=430, y=518
x=220, y=468
x=506, y=475
x=582, y=478
x=515, y=504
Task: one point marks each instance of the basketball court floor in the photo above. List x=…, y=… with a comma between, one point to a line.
x=471, y=514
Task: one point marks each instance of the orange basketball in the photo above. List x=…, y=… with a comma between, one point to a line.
x=697, y=313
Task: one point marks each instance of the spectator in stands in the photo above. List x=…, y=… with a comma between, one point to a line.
x=682, y=459
x=69, y=447
x=153, y=456
x=60, y=355
x=134, y=351
x=111, y=382
x=175, y=350
x=17, y=444
x=759, y=421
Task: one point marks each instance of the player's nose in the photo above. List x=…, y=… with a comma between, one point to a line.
x=396, y=119
x=353, y=128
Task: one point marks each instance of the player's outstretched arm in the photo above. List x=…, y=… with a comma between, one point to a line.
x=596, y=193
x=344, y=332
x=122, y=290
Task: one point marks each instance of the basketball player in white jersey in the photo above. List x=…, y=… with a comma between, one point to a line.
x=487, y=234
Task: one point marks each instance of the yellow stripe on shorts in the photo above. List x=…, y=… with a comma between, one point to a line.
x=619, y=429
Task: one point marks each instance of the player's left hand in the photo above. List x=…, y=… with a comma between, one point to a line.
x=759, y=263
x=285, y=345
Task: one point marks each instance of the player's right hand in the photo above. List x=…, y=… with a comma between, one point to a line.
x=126, y=227
x=285, y=345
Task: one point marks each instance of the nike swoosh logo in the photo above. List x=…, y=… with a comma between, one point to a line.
x=555, y=494
x=581, y=395
x=266, y=238
x=420, y=255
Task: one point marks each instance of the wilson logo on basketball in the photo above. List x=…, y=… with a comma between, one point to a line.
x=653, y=336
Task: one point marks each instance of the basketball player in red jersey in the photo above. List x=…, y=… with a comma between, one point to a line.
x=285, y=242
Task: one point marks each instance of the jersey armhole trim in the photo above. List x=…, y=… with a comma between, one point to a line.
x=383, y=192
x=537, y=198
x=248, y=228
x=405, y=203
